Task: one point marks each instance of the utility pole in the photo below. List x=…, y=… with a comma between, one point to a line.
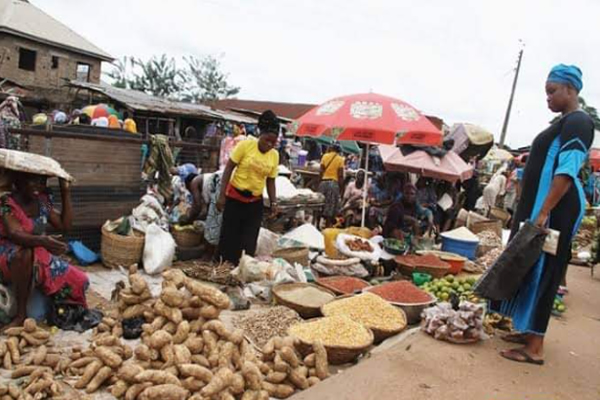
x=510, y=101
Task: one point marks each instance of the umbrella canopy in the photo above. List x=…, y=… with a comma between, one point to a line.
x=471, y=140
x=449, y=168
x=100, y=110
x=369, y=118
x=498, y=155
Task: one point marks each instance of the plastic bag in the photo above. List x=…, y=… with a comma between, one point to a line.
x=503, y=279
x=132, y=327
x=267, y=242
x=159, y=250
x=7, y=301
x=363, y=255
x=82, y=253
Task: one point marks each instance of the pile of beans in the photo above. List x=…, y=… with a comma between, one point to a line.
x=401, y=292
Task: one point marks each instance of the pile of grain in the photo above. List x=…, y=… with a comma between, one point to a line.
x=262, y=325
x=368, y=309
x=307, y=296
x=333, y=331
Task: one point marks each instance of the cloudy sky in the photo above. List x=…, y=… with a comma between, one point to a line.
x=452, y=59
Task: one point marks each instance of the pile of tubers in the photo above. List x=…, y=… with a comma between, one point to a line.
x=186, y=352
x=28, y=353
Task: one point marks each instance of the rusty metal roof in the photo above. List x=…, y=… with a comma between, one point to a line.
x=140, y=101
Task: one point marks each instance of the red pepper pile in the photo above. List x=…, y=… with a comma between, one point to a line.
x=401, y=292
x=344, y=284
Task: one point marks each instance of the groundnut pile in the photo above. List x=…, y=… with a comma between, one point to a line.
x=187, y=353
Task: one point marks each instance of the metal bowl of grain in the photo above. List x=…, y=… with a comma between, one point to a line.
x=306, y=298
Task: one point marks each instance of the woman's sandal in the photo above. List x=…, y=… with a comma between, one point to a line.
x=518, y=338
x=521, y=352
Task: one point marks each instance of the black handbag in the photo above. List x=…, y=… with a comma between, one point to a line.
x=503, y=279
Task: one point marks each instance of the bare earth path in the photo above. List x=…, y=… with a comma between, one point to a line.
x=420, y=367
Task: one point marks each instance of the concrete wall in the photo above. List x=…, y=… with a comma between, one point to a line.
x=43, y=76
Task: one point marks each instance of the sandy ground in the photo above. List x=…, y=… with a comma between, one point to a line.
x=420, y=367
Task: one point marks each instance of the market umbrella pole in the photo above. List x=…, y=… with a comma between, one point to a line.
x=365, y=189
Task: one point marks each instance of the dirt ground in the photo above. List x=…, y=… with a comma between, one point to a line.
x=420, y=367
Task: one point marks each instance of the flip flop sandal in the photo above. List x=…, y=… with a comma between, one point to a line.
x=526, y=357
x=514, y=339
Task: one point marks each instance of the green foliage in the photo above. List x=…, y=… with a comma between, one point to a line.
x=205, y=81
x=200, y=80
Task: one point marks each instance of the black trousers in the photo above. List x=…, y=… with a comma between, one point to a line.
x=240, y=229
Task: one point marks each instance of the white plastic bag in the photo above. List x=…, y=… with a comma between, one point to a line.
x=7, y=301
x=159, y=250
x=341, y=245
x=267, y=243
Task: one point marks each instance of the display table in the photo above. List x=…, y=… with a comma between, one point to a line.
x=288, y=211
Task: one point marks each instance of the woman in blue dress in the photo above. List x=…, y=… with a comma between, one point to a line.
x=552, y=197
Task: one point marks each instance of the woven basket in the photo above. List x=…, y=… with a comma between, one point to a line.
x=121, y=251
x=293, y=255
x=499, y=214
x=304, y=310
x=482, y=226
x=187, y=237
x=379, y=335
x=436, y=272
x=337, y=355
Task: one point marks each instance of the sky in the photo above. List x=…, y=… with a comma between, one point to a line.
x=452, y=59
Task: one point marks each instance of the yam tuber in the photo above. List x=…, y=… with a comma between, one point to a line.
x=172, y=297
x=252, y=376
x=194, y=344
x=109, y=357
x=182, y=333
x=208, y=294
x=276, y=377
x=157, y=377
x=196, y=371
x=159, y=339
x=129, y=371
x=102, y=375
x=321, y=364
x=90, y=371
x=164, y=392
x=222, y=380
x=289, y=356
x=281, y=391
x=29, y=325
x=134, y=391
x=119, y=389
x=138, y=284
x=182, y=354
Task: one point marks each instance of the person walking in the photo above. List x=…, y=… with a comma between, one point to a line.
x=332, y=182
x=552, y=197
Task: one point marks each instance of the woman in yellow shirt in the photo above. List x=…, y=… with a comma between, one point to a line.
x=332, y=182
x=251, y=166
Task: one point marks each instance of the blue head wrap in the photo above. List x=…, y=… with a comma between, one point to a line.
x=566, y=74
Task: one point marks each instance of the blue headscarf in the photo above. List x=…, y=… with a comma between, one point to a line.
x=566, y=74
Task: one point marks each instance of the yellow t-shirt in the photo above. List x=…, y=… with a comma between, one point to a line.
x=332, y=166
x=253, y=167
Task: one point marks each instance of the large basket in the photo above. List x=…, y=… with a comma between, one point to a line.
x=436, y=272
x=482, y=226
x=379, y=335
x=293, y=255
x=121, y=251
x=187, y=237
x=337, y=355
x=302, y=309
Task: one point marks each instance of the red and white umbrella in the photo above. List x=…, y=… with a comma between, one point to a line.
x=451, y=167
x=369, y=118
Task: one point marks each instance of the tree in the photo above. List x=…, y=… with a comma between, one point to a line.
x=205, y=81
x=120, y=73
x=159, y=76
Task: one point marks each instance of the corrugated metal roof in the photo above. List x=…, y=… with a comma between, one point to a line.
x=290, y=111
x=20, y=18
x=140, y=101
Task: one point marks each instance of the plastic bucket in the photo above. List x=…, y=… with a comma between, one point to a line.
x=302, y=158
x=460, y=247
